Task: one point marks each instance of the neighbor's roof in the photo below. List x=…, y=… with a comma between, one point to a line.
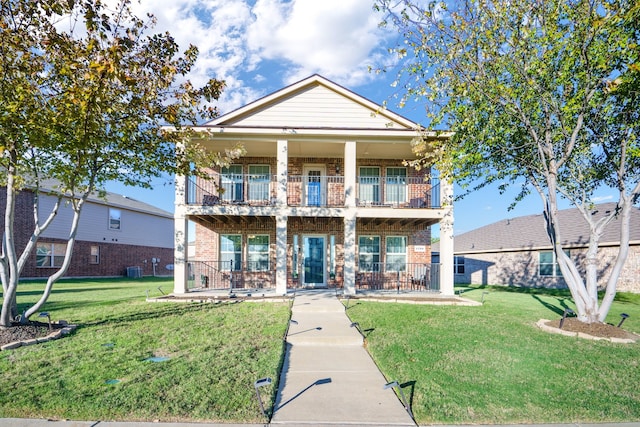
x=529, y=232
x=111, y=199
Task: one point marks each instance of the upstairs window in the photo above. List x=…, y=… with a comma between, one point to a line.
x=369, y=184
x=396, y=189
x=115, y=217
x=232, y=183
x=259, y=179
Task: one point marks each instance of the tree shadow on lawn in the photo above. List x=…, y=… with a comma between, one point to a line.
x=559, y=310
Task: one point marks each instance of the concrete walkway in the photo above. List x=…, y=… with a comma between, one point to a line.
x=328, y=378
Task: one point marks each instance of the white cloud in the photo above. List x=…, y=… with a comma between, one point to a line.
x=600, y=199
x=332, y=37
x=238, y=42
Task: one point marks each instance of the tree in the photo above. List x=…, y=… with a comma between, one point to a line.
x=541, y=94
x=85, y=98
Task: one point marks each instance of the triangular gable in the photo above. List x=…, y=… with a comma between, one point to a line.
x=314, y=102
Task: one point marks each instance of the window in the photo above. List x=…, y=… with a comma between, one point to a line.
x=258, y=253
x=369, y=253
x=396, y=253
x=396, y=189
x=369, y=185
x=50, y=254
x=94, y=256
x=259, y=179
x=114, y=219
x=548, y=265
x=232, y=183
x=231, y=251
x=458, y=265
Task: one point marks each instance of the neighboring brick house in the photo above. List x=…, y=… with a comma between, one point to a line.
x=517, y=252
x=322, y=198
x=114, y=233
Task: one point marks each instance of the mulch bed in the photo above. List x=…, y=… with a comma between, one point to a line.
x=31, y=330
x=601, y=330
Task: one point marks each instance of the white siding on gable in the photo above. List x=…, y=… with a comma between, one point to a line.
x=136, y=228
x=317, y=106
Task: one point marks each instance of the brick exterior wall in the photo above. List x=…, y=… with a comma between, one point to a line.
x=207, y=238
x=522, y=269
x=114, y=257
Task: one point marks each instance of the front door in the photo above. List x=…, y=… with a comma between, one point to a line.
x=314, y=190
x=314, y=261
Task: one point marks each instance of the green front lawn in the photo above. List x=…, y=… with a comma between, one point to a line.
x=486, y=364
x=491, y=364
x=215, y=352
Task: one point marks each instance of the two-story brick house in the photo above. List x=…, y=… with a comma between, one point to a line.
x=322, y=198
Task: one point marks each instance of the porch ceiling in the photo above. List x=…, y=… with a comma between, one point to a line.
x=242, y=221
x=316, y=148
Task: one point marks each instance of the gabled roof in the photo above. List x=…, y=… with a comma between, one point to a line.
x=115, y=200
x=529, y=232
x=330, y=105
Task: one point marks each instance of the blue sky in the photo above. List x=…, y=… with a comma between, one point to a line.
x=260, y=46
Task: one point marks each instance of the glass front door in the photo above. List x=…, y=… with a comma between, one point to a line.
x=314, y=253
x=314, y=188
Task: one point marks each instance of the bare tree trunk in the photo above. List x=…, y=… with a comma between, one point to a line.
x=10, y=278
x=77, y=209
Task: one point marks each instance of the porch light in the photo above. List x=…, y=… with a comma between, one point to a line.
x=396, y=385
x=567, y=311
x=261, y=383
x=46, y=314
x=624, y=316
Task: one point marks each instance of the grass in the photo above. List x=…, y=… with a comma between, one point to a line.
x=490, y=364
x=215, y=353
x=486, y=364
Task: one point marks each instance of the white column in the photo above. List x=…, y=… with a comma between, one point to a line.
x=350, y=173
x=350, y=253
x=446, y=237
x=282, y=172
x=281, y=255
x=181, y=237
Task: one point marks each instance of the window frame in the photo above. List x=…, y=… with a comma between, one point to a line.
x=51, y=255
x=372, y=264
x=259, y=183
x=389, y=255
x=115, y=215
x=237, y=254
x=399, y=188
x=369, y=185
x=233, y=181
x=555, y=268
x=94, y=258
x=458, y=264
x=264, y=261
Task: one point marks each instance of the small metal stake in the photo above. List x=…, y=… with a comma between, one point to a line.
x=483, y=294
x=46, y=314
x=624, y=317
x=160, y=289
x=394, y=384
x=564, y=316
x=261, y=383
